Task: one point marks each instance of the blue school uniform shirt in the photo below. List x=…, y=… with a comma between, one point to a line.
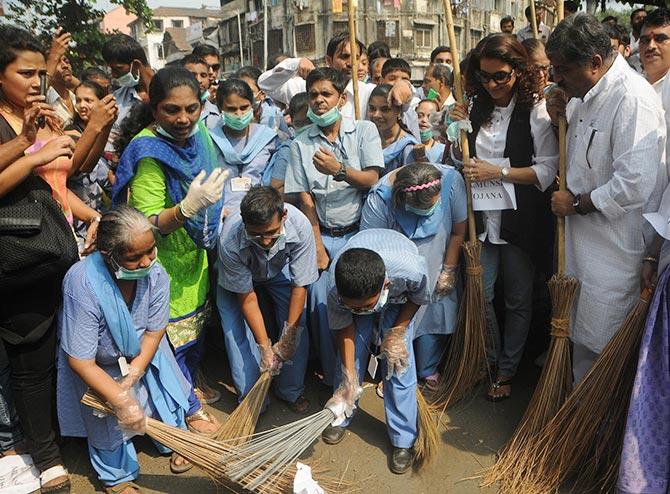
x=241, y=262
x=405, y=270
x=358, y=146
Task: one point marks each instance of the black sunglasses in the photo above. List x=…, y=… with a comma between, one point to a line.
x=500, y=77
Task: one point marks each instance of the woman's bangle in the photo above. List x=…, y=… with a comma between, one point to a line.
x=650, y=259
x=176, y=216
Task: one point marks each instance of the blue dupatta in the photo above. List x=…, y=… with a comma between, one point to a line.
x=181, y=165
x=165, y=392
x=261, y=137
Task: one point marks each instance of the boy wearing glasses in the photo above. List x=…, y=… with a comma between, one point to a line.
x=378, y=282
x=267, y=259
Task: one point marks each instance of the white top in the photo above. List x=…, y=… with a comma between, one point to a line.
x=634, y=58
x=491, y=141
x=615, y=144
x=282, y=83
x=658, y=86
x=543, y=31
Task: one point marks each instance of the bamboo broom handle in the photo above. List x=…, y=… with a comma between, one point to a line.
x=458, y=88
x=533, y=19
x=353, y=48
x=562, y=168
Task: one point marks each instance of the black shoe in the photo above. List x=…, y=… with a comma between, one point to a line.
x=333, y=434
x=401, y=460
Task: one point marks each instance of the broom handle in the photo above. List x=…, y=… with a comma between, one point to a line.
x=458, y=88
x=533, y=19
x=353, y=48
x=562, y=168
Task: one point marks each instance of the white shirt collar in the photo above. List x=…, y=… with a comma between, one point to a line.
x=606, y=80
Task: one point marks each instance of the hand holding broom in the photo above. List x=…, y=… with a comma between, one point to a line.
x=343, y=401
x=394, y=350
x=129, y=413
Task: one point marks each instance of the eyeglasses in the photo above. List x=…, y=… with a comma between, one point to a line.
x=543, y=68
x=659, y=39
x=263, y=236
x=500, y=77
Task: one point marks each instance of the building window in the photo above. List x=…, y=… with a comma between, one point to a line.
x=177, y=23
x=304, y=38
x=340, y=27
x=388, y=32
x=158, y=23
x=423, y=37
x=158, y=48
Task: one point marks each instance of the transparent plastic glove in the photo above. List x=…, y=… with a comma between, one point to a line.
x=446, y=281
x=129, y=413
x=454, y=129
x=130, y=379
x=343, y=401
x=288, y=343
x=394, y=350
x=270, y=362
x=203, y=192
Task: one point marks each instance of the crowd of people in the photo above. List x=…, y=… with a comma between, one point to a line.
x=140, y=209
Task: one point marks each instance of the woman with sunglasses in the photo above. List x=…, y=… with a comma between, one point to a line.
x=397, y=141
x=511, y=127
x=168, y=170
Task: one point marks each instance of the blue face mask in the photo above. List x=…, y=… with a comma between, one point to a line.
x=122, y=273
x=327, y=119
x=422, y=212
x=128, y=80
x=161, y=131
x=426, y=135
x=237, y=123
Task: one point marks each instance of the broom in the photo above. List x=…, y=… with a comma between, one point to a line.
x=555, y=381
x=585, y=436
x=208, y=454
x=466, y=356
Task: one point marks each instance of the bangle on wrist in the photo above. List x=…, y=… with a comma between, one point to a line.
x=181, y=213
x=650, y=259
x=94, y=219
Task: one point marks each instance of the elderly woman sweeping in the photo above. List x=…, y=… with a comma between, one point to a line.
x=112, y=340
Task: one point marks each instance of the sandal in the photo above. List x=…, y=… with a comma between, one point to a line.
x=202, y=415
x=204, y=392
x=51, y=474
x=179, y=468
x=123, y=488
x=493, y=395
x=299, y=406
x=379, y=389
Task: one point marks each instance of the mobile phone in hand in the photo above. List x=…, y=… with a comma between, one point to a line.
x=41, y=120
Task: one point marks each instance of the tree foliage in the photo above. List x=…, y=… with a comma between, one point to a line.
x=81, y=18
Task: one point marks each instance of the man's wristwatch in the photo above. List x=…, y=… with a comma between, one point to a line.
x=576, y=204
x=341, y=174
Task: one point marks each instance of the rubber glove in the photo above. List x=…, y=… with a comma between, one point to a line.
x=343, y=401
x=203, y=192
x=269, y=361
x=446, y=281
x=130, y=379
x=394, y=350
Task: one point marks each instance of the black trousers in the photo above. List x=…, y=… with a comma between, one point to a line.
x=32, y=378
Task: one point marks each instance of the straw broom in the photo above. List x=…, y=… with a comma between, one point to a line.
x=585, y=436
x=466, y=355
x=242, y=422
x=207, y=454
x=555, y=381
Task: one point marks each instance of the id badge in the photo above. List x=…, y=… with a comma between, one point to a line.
x=123, y=365
x=373, y=364
x=240, y=184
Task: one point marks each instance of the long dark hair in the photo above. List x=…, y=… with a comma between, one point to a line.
x=507, y=49
x=164, y=81
x=234, y=86
x=412, y=175
x=14, y=40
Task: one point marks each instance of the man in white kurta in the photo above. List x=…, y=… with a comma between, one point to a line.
x=615, y=173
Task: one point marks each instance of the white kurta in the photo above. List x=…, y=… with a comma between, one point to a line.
x=616, y=138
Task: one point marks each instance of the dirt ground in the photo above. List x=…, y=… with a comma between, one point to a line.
x=470, y=435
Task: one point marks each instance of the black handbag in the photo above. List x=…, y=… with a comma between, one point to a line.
x=36, y=241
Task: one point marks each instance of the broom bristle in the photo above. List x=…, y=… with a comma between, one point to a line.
x=208, y=455
x=552, y=388
x=242, y=422
x=466, y=355
x=426, y=443
x=584, y=436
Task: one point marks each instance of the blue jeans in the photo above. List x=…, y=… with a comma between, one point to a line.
x=241, y=346
x=323, y=339
x=400, y=404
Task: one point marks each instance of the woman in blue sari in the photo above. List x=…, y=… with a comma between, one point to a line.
x=112, y=340
x=244, y=148
x=427, y=204
x=168, y=171
x=397, y=141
